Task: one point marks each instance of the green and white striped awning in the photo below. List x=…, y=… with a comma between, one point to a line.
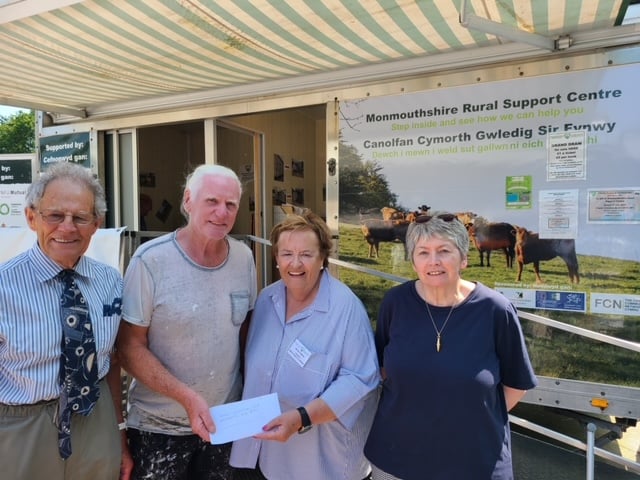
x=77, y=57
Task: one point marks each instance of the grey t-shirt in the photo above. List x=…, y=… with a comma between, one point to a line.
x=194, y=315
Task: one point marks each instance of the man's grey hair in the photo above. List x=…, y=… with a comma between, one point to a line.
x=195, y=178
x=74, y=173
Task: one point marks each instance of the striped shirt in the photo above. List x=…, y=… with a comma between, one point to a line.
x=30, y=323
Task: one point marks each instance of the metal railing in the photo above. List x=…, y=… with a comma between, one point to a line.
x=591, y=451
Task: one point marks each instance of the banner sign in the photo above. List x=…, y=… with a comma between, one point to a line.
x=556, y=155
x=15, y=177
x=72, y=147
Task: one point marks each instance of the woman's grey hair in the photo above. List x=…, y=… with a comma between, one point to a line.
x=449, y=228
x=74, y=173
x=195, y=178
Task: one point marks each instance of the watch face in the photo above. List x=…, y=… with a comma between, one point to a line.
x=305, y=429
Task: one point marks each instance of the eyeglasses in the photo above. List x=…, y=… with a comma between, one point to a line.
x=78, y=219
x=303, y=257
x=447, y=217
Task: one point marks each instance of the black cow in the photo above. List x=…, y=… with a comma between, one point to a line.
x=532, y=249
x=376, y=231
x=493, y=236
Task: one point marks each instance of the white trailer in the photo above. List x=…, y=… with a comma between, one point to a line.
x=141, y=91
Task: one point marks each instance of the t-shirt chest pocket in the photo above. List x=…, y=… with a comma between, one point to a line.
x=239, y=306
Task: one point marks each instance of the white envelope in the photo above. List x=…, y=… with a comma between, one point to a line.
x=243, y=419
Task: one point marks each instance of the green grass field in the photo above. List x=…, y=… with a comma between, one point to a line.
x=554, y=352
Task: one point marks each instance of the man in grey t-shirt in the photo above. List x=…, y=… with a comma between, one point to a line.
x=186, y=296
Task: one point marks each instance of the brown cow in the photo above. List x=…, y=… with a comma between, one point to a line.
x=411, y=217
x=390, y=213
x=422, y=210
x=467, y=218
x=532, y=249
x=488, y=236
x=376, y=231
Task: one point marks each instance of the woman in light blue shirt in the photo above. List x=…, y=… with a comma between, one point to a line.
x=311, y=342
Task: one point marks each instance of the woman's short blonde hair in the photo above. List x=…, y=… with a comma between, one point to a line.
x=304, y=221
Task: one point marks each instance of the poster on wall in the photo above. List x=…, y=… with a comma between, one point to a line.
x=518, y=192
x=71, y=147
x=561, y=149
x=15, y=177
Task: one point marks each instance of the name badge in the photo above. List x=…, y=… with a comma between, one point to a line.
x=299, y=353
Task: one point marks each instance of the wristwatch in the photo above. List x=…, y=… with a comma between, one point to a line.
x=306, y=421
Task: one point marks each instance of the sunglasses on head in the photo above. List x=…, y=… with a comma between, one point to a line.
x=447, y=217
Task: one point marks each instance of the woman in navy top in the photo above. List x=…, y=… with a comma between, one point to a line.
x=453, y=361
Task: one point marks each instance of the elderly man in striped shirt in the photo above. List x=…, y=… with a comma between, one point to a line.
x=59, y=317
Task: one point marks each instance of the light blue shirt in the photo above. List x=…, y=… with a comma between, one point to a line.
x=30, y=324
x=338, y=364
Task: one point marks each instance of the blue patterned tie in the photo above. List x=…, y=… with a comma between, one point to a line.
x=78, y=363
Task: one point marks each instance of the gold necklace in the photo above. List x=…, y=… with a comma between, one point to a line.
x=439, y=332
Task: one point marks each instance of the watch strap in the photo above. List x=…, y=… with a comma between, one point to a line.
x=306, y=420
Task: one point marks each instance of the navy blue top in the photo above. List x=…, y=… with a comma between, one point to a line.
x=442, y=415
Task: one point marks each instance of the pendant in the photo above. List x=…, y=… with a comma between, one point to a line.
x=438, y=344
